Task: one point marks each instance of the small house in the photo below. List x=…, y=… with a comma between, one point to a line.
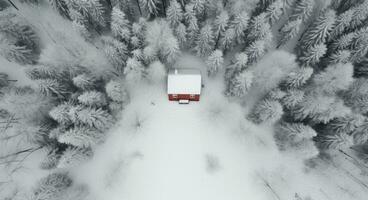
x=184, y=85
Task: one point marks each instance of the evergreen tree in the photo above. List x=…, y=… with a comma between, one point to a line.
x=292, y=98
x=74, y=156
x=318, y=32
x=345, y=124
x=334, y=141
x=289, y=31
x=81, y=137
x=149, y=55
x=360, y=15
x=275, y=10
x=275, y=94
x=116, y=91
x=302, y=9
x=255, y=51
x=259, y=28
x=93, y=98
x=60, y=114
x=51, y=160
x=4, y=80
x=228, y=39
x=116, y=52
x=174, y=13
x=87, y=11
x=85, y=81
x=52, y=186
x=60, y=6
x=334, y=78
x=134, y=69
x=192, y=23
x=214, y=62
x=205, y=41
x=342, y=22
x=180, y=33
x=120, y=26
x=343, y=42
x=288, y=135
x=238, y=64
x=15, y=53
x=312, y=55
x=359, y=45
x=52, y=87
x=150, y=6
x=266, y=111
x=170, y=49
x=240, y=24
x=356, y=96
x=94, y=118
x=341, y=56
x=240, y=83
x=220, y=24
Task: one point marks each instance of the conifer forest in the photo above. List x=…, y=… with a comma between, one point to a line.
x=85, y=113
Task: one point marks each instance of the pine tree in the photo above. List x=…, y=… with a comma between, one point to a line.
x=238, y=64
x=116, y=91
x=275, y=94
x=290, y=134
x=360, y=15
x=51, y=160
x=334, y=78
x=52, y=87
x=191, y=22
x=205, y=41
x=275, y=10
x=342, y=22
x=4, y=80
x=289, y=31
x=149, y=54
x=334, y=141
x=259, y=28
x=312, y=55
x=94, y=118
x=266, y=111
x=228, y=39
x=240, y=24
x=60, y=6
x=343, y=42
x=15, y=53
x=359, y=45
x=134, y=69
x=120, y=26
x=318, y=32
x=255, y=51
x=52, y=186
x=150, y=6
x=346, y=124
x=93, y=98
x=85, y=81
x=91, y=10
x=174, y=13
x=220, y=24
x=302, y=9
x=60, y=114
x=170, y=49
x=180, y=33
x=356, y=96
x=240, y=83
x=82, y=137
x=139, y=29
x=116, y=52
x=341, y=56
x=292, y=98
x=214, y=62
x=74, y=156
x=199, y=6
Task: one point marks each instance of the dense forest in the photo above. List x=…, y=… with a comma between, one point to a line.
x=297, y=66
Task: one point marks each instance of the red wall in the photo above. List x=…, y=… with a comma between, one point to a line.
x=183, y=96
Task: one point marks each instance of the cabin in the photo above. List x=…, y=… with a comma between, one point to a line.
x=184, y=85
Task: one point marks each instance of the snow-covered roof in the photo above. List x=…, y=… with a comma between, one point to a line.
x=184, y=81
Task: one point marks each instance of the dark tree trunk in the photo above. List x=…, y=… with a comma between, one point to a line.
x=11, y=3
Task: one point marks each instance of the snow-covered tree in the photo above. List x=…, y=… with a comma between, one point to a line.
x=240, y=83
x=174, y=13
x=205, y=41
x=345, y=124
x=170, y=49
x=289, y=31
x=214, y=62
x=150, y=6
x=60, y=6
x=85, y=81
x=342, y=22
x=4, y=80
x=289, y=135
x=318, y=32
x=120, y=26
x=60, y=113
x=92, y=11
x=275, y=10
x=238, y=64
x=52, y=87
x=156, y=72
x=134, y=70
x=302, y=9
x=220, y=24
x=240, y=24
x=74, y=156
x=228, y=39
x=15, y=53
x=313, y=54
x=116, y=91
x=52, y=186
x=51, y=160
x=334, y=141
x=343, y=42
x=149, y=54
x=94, y=118
x=266, y=111
x=292, y=98
x=275, y=94
x=359, y=45
x=81, y=137
x=334, y=78
x=356, y=96
x=93, y=98
x=181, y=34
x=360, y=15
x=116, y=52
x=192, y=24
x=341, y=56
x=259, y=28
x=256, y=50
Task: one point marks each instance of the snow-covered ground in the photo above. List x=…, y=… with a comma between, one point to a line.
x=205, y=150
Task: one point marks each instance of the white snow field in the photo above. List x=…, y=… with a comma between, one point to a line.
x=206, y=150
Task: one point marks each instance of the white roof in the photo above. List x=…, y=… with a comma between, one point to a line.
x=184, y=81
